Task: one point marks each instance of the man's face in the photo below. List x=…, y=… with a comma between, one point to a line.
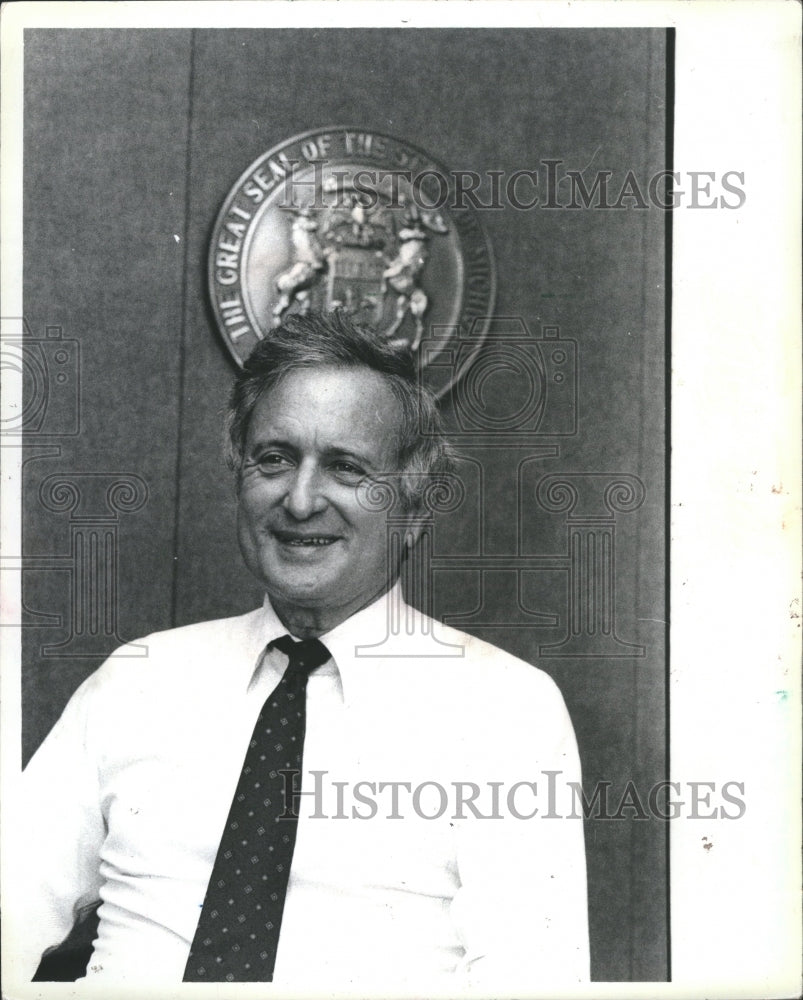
x=302, y=529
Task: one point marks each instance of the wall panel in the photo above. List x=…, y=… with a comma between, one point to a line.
x=104, y=214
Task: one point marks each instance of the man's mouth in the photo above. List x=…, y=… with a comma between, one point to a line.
x=304, y=541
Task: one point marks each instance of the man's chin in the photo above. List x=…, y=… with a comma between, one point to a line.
x=304, y=590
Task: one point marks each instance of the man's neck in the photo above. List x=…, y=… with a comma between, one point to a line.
x=311, y=622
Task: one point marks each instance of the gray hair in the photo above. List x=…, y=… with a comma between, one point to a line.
x=333, y=340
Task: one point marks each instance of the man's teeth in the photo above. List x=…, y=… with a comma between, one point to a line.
x=310, y=541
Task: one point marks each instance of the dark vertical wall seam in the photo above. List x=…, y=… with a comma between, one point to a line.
x=182, y=344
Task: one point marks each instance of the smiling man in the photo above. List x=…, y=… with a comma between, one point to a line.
x=312, y=440
x=333, y=792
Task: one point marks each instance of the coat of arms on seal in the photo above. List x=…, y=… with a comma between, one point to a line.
x=343, y=218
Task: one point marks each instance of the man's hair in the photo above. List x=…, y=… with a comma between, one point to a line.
x=318, y=340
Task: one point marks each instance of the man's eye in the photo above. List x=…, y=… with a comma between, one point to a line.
x=348, y=469
x=271, y=460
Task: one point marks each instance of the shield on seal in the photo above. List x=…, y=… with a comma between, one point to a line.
x=355, y=284
x=357, y=238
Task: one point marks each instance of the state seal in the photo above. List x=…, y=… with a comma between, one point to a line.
x=344, y=218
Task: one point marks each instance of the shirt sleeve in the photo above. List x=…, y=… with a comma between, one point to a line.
x=62, y=830
x=521, y=910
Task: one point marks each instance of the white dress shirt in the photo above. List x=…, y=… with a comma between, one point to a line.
x=127, y=798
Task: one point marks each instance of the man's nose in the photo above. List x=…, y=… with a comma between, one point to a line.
x=304, y=496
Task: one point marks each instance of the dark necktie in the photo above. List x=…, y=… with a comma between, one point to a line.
x=238, y=931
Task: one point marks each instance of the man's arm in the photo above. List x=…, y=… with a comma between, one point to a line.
x=61, y=830
x=521, y=911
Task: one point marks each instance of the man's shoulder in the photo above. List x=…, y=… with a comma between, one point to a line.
x=474, y=662
x=475, y=687
x=178, y=651
x=199, y=634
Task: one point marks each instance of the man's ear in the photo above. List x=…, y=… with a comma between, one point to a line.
x=416, y=519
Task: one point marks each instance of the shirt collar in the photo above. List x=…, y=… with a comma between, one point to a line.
x=260, y=628
x=350, y=642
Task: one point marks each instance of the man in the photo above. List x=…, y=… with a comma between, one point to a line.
x=432, y=852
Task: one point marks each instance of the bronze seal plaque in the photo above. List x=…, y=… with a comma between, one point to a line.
x=344, y=218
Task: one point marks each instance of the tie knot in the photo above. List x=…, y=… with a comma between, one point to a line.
x=305, y=655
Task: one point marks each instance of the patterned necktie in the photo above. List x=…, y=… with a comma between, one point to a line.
x=238, y=931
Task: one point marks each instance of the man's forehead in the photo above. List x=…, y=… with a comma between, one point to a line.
x=337, y=406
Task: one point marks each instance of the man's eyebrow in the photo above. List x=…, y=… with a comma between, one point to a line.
x=269, y=441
